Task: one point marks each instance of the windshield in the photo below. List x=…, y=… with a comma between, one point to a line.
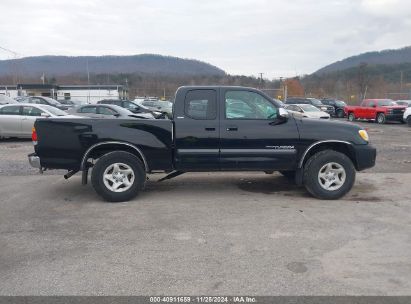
x=316, y=102
x=309, y=108
x=340, y=103
x=51, y=100
x=54, y=111
x=386, y=103
x=66, y=102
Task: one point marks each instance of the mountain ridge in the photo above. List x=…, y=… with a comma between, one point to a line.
x=384, y=57
x=60, y=65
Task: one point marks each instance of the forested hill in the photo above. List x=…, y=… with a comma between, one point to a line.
x=140, y=64
x=386, y=57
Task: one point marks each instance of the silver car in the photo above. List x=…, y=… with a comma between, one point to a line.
x=163, y=106
x=107, y=111
x=17, y=120
x=306, y=111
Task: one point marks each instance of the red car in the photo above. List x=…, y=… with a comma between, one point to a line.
x=379, y=110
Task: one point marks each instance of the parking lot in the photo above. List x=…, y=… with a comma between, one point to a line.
x=208, y=233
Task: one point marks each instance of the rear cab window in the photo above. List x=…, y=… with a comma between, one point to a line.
x=201, y=104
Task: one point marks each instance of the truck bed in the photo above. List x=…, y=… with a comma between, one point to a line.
x=62, y=142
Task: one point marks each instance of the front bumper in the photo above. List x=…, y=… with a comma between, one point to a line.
x=365, y=156
x=395, y=117
x=34, y=161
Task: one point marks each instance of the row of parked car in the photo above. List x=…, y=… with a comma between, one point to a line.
x=17, y=117
x=378, y=110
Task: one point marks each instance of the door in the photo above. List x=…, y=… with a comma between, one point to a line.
x=197, y=131
x=10, y=120
x=253, y=136
x=28, y=118
x=370, y=111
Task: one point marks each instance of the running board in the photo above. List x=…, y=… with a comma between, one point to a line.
x=171, y=175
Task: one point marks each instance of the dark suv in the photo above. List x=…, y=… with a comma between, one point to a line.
x=337, y=104
x=312, y=101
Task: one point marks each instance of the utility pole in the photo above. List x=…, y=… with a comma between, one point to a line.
x=401, y=80
x=88, y=83
x=261, y=80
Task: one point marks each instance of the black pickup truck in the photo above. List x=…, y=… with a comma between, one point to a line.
x=214, y=128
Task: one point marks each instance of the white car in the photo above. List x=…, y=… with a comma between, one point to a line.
x=17, y=120
x=406, y=103
x=306, y=111
x=6, y=100
x=407, y=116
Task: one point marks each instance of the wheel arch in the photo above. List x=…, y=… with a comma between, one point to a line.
x=344, y=147
x=102, y=148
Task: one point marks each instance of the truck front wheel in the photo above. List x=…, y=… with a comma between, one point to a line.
x=118, y=176
x=329, y=175
x=409, y=121
x=351, y=117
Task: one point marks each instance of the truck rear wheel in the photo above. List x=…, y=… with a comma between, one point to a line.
x=351, y=117
x=118, y=176
x=340, y=113
x=409, y=121
x=381, y=118
x=329, y=175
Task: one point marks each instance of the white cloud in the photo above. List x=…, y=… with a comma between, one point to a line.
x=279, y=38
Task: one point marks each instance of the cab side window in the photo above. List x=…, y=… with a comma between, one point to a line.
x=31, y=111
x=201, y=104
x=10, y=110
x=248, y=105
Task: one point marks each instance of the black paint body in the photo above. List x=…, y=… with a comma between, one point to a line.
x=188, y=144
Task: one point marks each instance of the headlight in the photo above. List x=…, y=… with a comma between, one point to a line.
x=323, y=108
x=363, y=134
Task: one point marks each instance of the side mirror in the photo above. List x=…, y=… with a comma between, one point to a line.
x=282, y=117
x=116, y=115
x=45, y=115
x=283, y=113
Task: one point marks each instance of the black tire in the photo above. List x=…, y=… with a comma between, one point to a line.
x=409, y=121
x=104, y=162
x=351, y=117
x=312, y=170
x=288, y=174
x=381, y=118
x=340, y=113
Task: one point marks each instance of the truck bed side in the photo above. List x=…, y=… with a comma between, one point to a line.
x=62, y=143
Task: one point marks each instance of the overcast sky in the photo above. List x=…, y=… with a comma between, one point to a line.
x=278, y=37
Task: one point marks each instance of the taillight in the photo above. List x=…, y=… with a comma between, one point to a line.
x=34, y=135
